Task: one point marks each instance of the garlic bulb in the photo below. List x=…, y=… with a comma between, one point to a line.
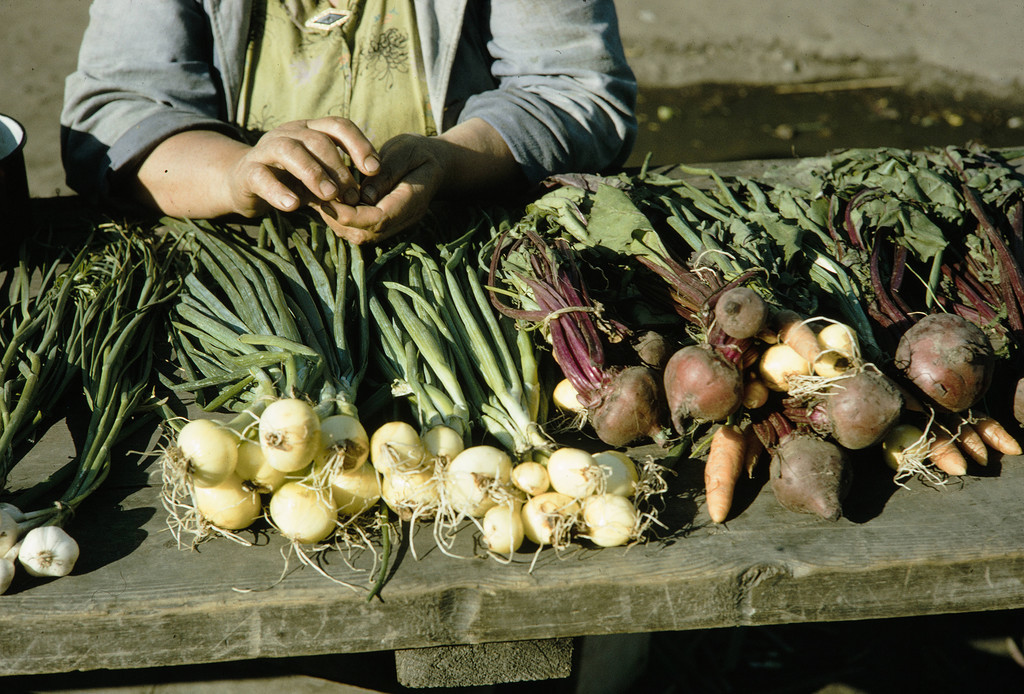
x=12, y=553
x=48, y=551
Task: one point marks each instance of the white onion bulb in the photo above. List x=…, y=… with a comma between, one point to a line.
x=410, y=493
x=609, y=520
x=289, y=434
x=779, y=363
x=6, y=574
x=303, y=514
x=620, y=472
x=473, y=476
x=396, y=446
x=531, y=477
x=443, y=443
x=210, y=451
x=548, y=517
x=343, y=436
x=503, y=528
x=566, y=397
x=231, y=505
x=253, y=467
x=356, y=490
x=8, y=532
x=573, y=472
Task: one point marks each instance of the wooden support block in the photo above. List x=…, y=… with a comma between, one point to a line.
x=484, y=663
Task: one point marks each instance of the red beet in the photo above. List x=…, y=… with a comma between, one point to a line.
x=741, y=312
x=652, y=348
x=857, y=411
x=810, y=475
x=701, y=384
x=948, y=358
x=631, y=407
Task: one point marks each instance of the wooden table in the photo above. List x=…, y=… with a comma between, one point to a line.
x=136, y=599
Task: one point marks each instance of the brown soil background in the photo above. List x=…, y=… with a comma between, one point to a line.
x=945, y=45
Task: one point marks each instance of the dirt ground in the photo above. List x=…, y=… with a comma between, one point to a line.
x=941, y=44
x=934, y=44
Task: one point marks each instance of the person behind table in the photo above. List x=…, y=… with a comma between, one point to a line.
x=206, y=108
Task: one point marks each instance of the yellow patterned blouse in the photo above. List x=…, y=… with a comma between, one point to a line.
x=367, y=68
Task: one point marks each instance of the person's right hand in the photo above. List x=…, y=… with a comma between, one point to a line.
x=301, y=162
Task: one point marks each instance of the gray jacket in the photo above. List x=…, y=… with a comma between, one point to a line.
x=549, y=75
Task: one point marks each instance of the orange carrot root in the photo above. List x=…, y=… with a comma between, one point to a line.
x=722, y=470
x=946, y=456
x=972, y=444
x=793, y=331
x=996, y=436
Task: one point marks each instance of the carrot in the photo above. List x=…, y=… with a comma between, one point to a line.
x=752, y=449
x=755, y=393
x=946, y=456
x=793, y=331
x=996, y=436
x=722, y=470
x=972, y=444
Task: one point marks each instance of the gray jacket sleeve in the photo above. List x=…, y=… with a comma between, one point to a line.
x=565, y=98
x=146, y=70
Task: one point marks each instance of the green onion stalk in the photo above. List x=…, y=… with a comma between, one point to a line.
x=33, y=369
x=459, y=360
x=503, y=354
x=117, y=291
x=277, y=319
x=281, y=316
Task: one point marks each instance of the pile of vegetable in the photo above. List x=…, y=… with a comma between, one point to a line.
x=864, y=307
x=276, y=334
x=280, y=337
x=499, y=373
x=473, y=384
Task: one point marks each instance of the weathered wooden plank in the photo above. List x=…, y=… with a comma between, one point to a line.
x=137, y=600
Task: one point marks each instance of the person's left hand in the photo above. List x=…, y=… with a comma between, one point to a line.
x=411, y=174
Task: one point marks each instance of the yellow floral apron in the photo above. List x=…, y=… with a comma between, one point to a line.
x=367, y=69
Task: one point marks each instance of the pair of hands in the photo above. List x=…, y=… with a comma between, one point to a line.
x=303, y=163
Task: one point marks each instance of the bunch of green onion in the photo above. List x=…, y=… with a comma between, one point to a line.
x=91, y=321
x=274, y=330
x=467, y=369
